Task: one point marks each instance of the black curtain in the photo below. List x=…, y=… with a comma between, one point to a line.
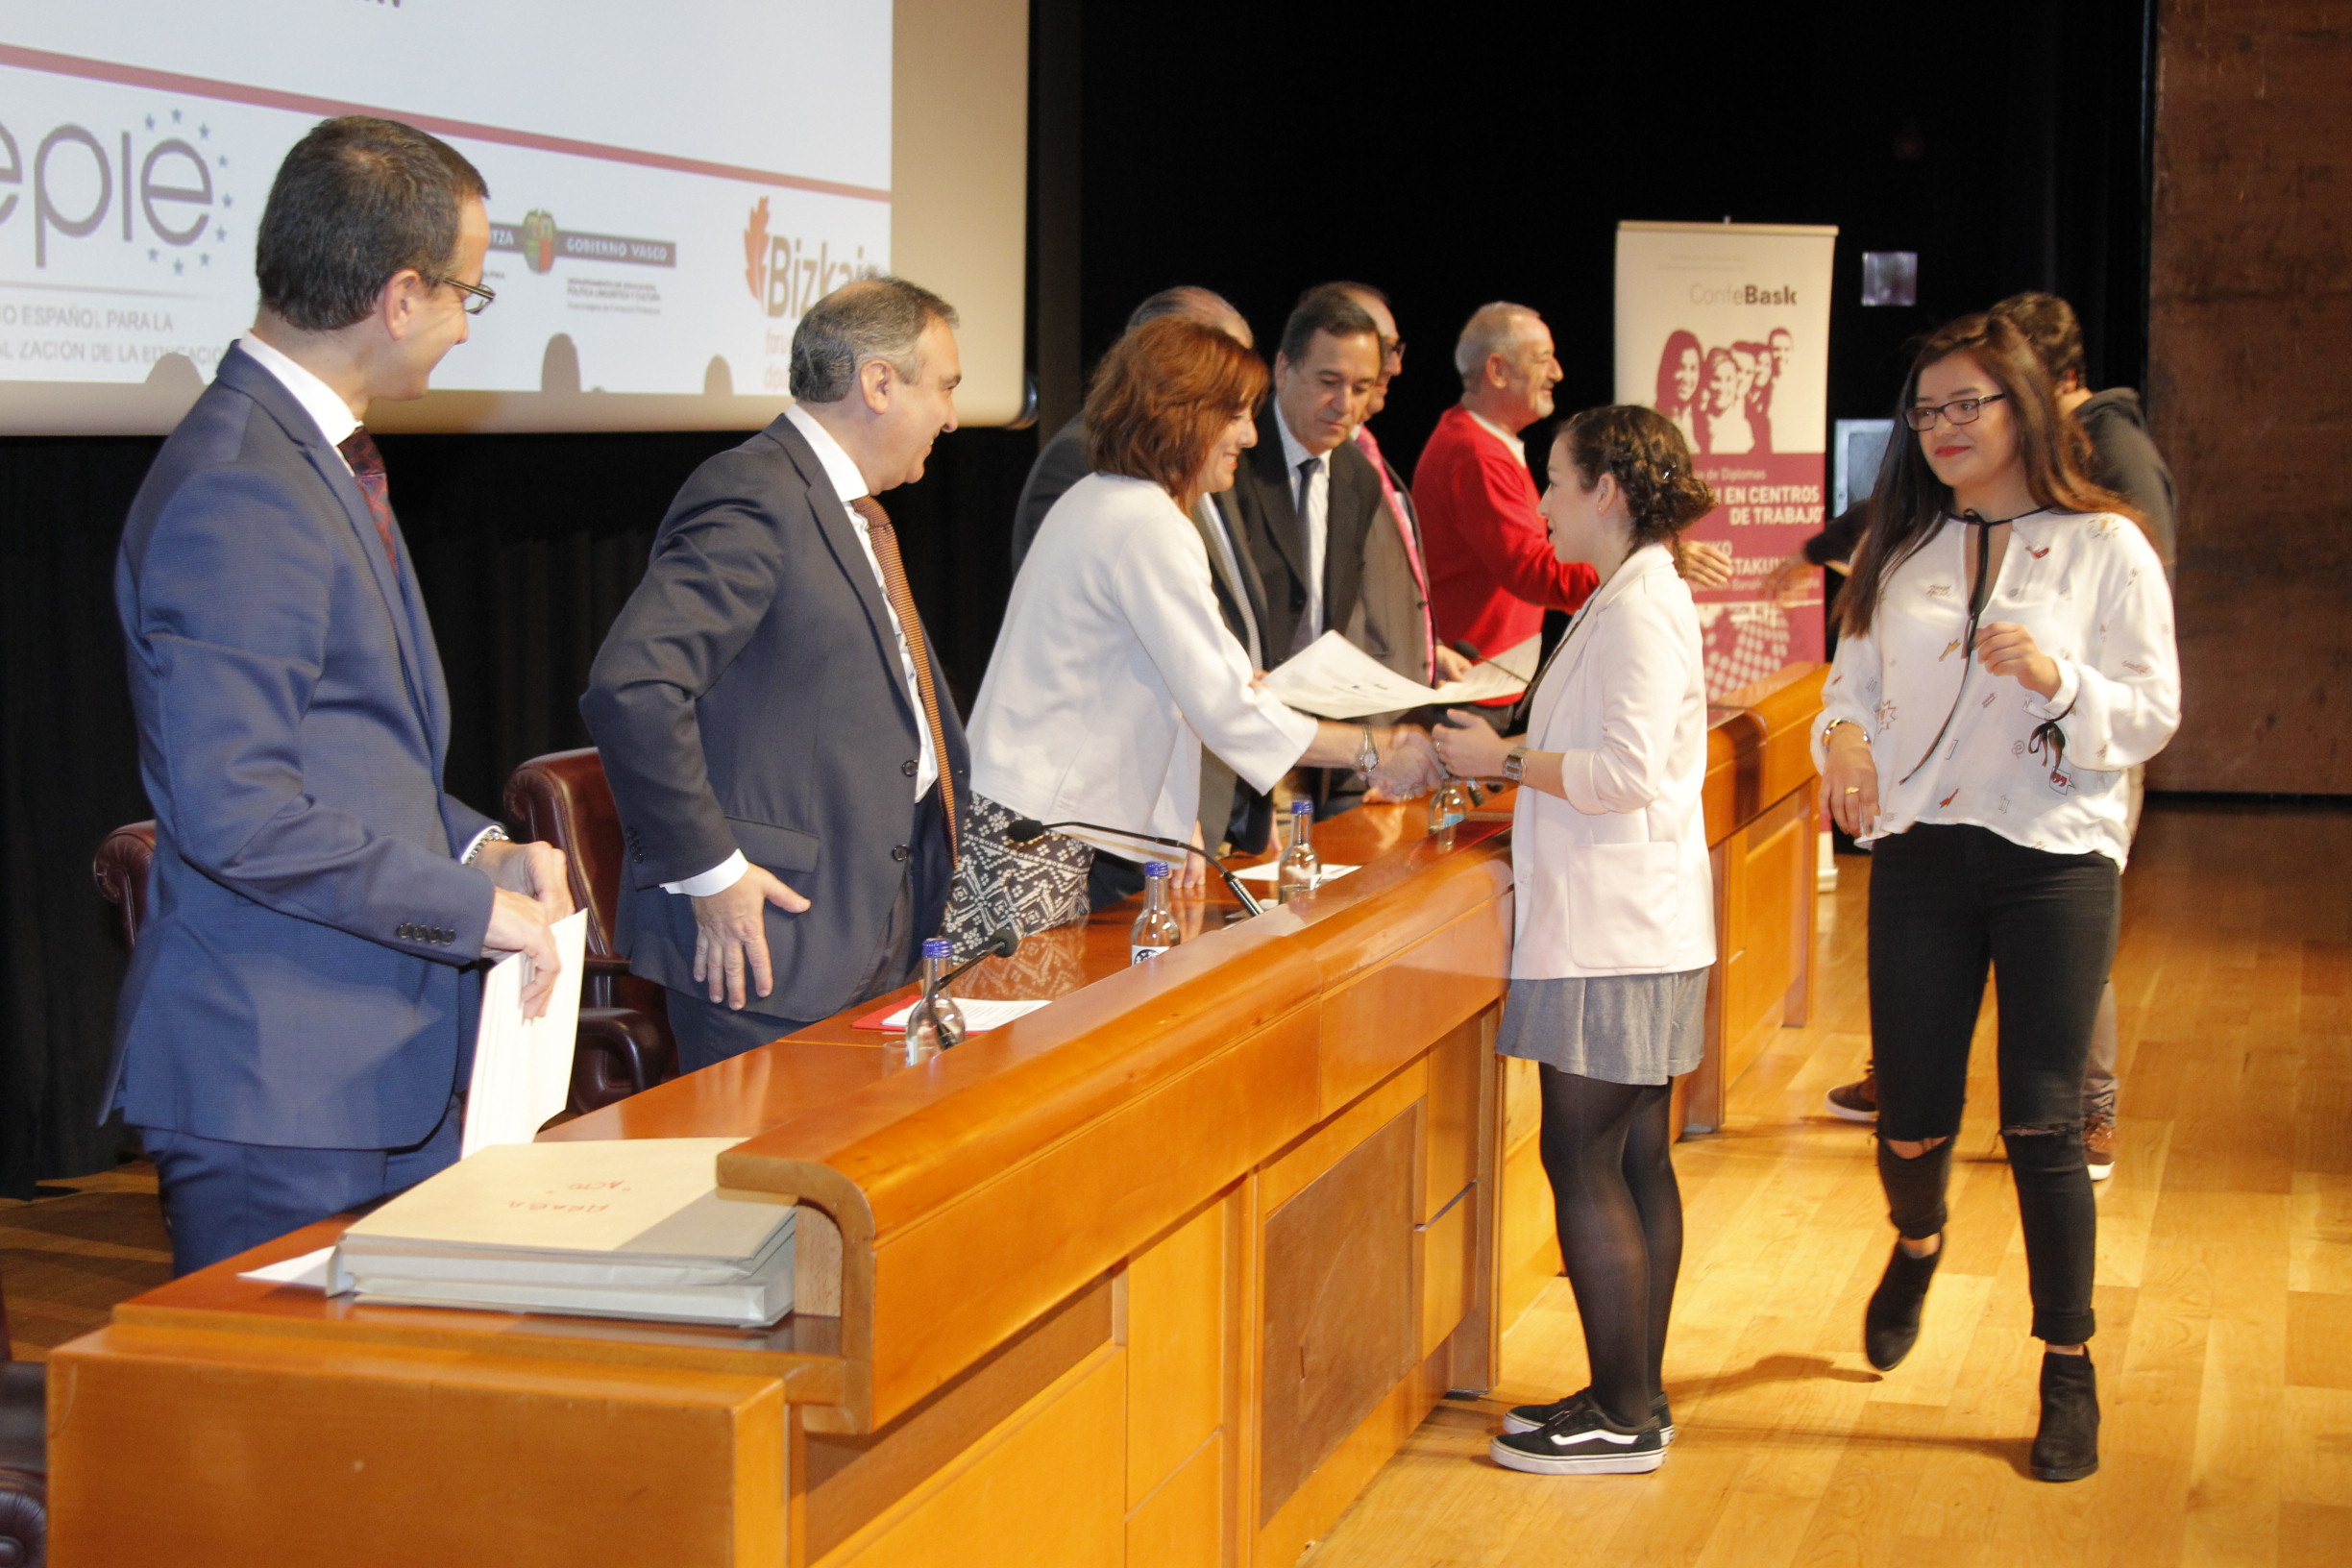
x=525, y=547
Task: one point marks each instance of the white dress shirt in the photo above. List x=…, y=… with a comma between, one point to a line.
x=1314, y=526
x=336, y=422
x=1114, y=668
x=2090, y=589
x=849, y=485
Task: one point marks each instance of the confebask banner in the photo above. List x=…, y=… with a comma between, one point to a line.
x=1724, y=327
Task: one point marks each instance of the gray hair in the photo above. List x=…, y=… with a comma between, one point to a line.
x=1205, y=306
x=1492, y=329
x=873, y=318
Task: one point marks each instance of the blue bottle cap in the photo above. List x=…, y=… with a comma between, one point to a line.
x=1304, y=808
x=937, y=948
x=1154, y=868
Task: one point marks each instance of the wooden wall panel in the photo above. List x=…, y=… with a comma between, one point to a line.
x=1181, y=1525
x=1341, y=1323
x=1045, y=1491
x=1176, y=1379
x=2250, y=316
x=271, y=1449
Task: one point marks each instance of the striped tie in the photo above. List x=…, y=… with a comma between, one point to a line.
x=885, y=539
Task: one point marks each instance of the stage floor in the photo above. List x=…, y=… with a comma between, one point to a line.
x=2225, y=1284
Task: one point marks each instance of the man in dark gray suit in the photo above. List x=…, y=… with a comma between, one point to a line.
x=780, y=738
x=295, y=1026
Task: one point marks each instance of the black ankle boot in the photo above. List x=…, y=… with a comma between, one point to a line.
x=1891, y=1326
x=2067, y=1447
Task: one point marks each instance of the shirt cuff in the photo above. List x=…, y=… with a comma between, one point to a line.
x=2069, y=686
x=717, y=879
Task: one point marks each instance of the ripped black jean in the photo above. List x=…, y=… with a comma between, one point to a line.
x=1947, y=902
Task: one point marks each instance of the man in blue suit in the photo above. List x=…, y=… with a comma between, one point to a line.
x=296, y=1023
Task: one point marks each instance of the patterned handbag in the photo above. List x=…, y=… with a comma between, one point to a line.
x=1029, y=887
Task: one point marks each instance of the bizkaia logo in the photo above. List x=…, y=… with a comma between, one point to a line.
x=157, y=187
x=785, y=276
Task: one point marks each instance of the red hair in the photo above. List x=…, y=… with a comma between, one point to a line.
x=1160, y=396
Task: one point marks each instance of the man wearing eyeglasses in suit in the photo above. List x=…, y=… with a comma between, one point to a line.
x=296, y=1023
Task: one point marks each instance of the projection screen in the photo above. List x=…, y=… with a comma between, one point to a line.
x=670, y=186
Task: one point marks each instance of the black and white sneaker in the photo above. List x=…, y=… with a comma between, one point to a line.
x=1580, y=1441
x=1528, y=1417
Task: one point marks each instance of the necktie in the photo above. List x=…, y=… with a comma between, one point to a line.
x=1310, y=616
x=1404, y=532
x=1309, y=468
x=358, y=448
x=885, y=539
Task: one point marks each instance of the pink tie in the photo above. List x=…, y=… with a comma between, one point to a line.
x=1412, y=550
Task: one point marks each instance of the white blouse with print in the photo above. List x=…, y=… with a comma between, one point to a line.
x=2090, y=589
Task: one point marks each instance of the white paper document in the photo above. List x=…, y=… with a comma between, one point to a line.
x=1268, y=872
x=522, y=1066
x=306, y=1271
x=979, y=1015
x=1334, y=678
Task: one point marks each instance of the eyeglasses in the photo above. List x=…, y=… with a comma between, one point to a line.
x=479, y=298
x=1958, y=412
x=1394, y=348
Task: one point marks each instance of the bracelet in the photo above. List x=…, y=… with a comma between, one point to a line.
x=1830, y=728
x=493, y=834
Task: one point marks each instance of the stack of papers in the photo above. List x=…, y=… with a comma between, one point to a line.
x=631, y=1228
x=1332, y=676
x=522, y=1066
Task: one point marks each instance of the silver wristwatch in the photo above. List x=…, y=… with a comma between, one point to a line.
x=1515, y=763
x=1367, y=756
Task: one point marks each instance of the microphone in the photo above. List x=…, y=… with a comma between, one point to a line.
x=1028, y=830
x=1467, y=648
x=1002, y=943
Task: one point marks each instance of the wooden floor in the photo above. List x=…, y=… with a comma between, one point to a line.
x=2225, y=1293
x=2224, y=1285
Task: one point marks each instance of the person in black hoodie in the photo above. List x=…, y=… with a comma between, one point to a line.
x=2124, y=460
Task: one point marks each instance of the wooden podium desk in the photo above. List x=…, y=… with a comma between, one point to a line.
x=1162, y=1274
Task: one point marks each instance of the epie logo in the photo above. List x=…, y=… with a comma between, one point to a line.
x=156, y=187
x=537, y=238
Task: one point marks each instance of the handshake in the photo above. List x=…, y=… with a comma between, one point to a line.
x=1408, y=767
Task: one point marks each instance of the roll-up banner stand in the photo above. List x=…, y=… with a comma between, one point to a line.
x=1724, y=327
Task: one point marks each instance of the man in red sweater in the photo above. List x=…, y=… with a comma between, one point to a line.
x=1491, y=570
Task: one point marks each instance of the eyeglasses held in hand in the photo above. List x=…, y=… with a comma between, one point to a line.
x=1958, y=412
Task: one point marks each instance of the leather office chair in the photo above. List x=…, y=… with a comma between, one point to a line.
x=562, y=797
x=24, y=1457
x=623, y=1045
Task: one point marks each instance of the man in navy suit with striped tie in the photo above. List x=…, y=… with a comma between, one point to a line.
x=296, y=1023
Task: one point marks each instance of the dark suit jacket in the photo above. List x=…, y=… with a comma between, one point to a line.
x=297, y=979
x=750, y=696
x=1060, y=463
x=1264, y=489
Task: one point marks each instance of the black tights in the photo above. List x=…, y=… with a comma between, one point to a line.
x=1607, y=1149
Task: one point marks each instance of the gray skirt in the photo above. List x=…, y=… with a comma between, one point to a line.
x=1619, y=1028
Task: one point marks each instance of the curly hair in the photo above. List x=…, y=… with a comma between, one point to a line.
x=1643, y=450
x=1160, y=396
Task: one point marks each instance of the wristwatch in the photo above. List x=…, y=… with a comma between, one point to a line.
x=1515, y=763
x=1367, y=756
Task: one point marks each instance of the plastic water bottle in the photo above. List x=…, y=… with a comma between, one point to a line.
x=1156, y=930
x=1296, y=876
x=1449, y=806
x=935, y=1023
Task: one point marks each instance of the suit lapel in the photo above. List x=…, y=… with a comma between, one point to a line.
x=840, y=534
x=1281, y=502
x=1352, y=498
x=420, y=669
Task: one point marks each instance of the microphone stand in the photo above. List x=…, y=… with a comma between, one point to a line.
x=1026, y=830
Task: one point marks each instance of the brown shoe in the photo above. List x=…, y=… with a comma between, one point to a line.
x=2099, y=1145
x=1857, y=1101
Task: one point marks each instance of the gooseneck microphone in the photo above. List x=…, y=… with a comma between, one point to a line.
x=1002, y=943
x=1028, y=830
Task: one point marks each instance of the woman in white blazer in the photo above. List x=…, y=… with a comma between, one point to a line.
x=1113, y=665
x=1616, y=925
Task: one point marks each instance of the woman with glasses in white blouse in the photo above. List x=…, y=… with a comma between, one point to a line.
x=2006, y=656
